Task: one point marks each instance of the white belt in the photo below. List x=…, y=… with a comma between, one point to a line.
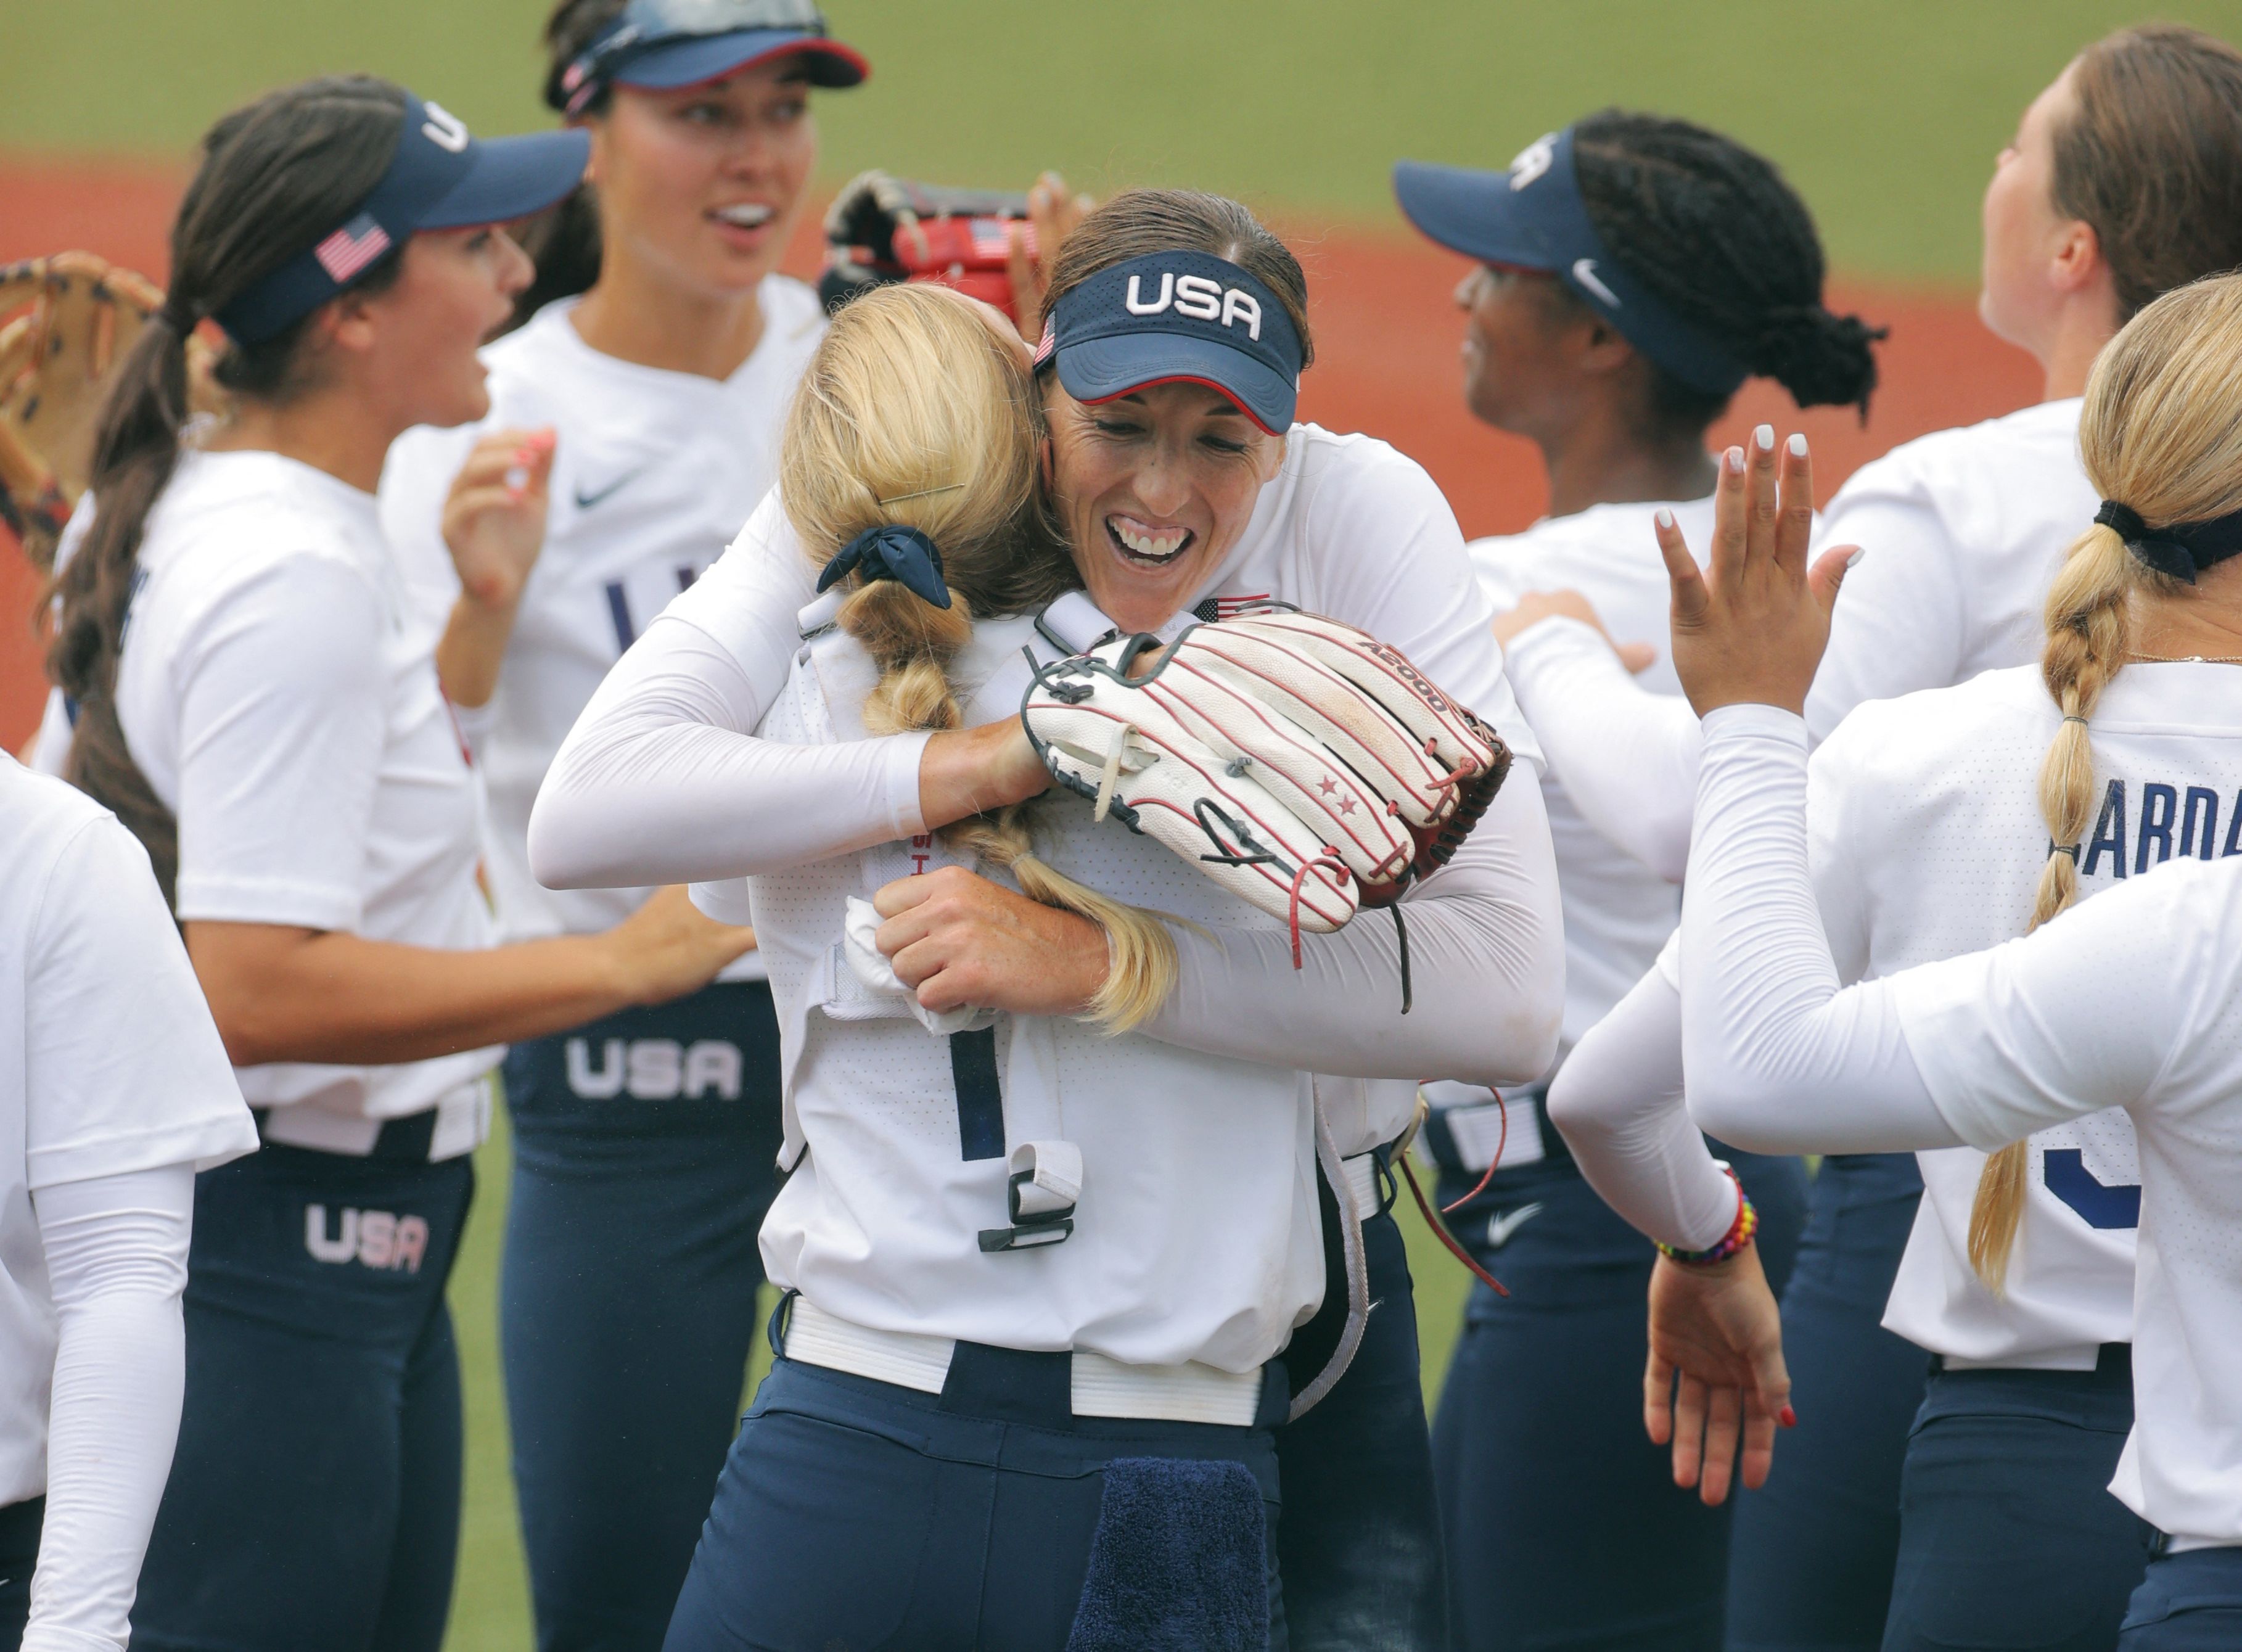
x=463, y=1118
x=1362, y=1182
x=1102, y=1387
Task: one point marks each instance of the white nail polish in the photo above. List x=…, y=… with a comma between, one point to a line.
x=1734, y=459
x=1763, y=439
x=1798, y=446
x=1859, y=551
x=1666, y=520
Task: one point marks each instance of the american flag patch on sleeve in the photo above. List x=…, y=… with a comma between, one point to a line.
x=351, y=248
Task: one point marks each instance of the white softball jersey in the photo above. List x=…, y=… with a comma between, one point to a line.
x=114, y=1088
x=1927, y=842
x=284, y=705
x=653, y=474
x=2133, y=1000
x=1191, y=1167
x=663, y=781
x=1961, y=531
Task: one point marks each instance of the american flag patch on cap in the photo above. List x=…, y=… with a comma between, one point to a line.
x=1046, y=344
x=351, y=248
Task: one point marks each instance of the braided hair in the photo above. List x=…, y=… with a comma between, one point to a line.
x=1712, y=229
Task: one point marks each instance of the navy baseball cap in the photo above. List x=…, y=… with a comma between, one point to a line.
x=1532, y=218
x=663, y=44
x=439, y=178
x=1179, y=317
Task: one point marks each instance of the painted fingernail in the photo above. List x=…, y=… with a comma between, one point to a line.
x=1859, y=551
x=1787, y=1417
x=517, y=479
x=1666, y=520
x=1798, y=445
x=1734, y=459
x=1763, y=438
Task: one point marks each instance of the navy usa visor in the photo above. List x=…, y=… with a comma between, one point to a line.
x=1532, y=218
x=439, y=178
x=1176, y=318
x=664, y=45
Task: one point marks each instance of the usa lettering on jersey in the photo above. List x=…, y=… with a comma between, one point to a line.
x=654, y=1069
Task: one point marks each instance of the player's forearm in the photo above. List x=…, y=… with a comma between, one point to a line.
x=660, y=782
x=116, y=1258
x=282, y=995
x=1780, y=1059
x=1618, y=1102
x=1626, y=757
x=473, y=649
x=1487, y=974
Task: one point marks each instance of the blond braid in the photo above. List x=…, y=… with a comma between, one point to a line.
x=912, y=411
x=2088, y=629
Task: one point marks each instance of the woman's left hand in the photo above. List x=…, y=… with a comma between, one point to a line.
x=1715, y=1371
x=960, y=940
x=1053, y=211
x=1750, y=629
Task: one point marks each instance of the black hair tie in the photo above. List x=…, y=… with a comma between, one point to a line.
x=2181, y=549
x=891, y=552
x=181, y=318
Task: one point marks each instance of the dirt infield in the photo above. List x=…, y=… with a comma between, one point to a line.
x=1385, y=337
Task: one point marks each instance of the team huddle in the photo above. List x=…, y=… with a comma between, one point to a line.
x=941, y=794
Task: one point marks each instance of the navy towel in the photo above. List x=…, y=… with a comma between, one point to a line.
x=1178, y=1562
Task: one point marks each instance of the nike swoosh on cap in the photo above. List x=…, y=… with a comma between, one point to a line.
x=584, y=501
x=1501, y=1225
x=1584, y=272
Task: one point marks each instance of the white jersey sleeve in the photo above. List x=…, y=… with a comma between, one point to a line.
x=116, y=1250
x=281, y=725
x=1902, y=621
x=663, y=779
x=1627, y=757
x=1618, y=1101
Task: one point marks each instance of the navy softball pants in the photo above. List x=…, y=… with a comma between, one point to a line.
x=1360, y=1542
x=314, y=1497
x=1811, y=1557
x=1564, y=1526
x=2188, y=1603
x=855, y=1515
x=2009, y=1536
x=645, y=1150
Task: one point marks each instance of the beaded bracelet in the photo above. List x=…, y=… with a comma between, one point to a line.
x=1739, y=1234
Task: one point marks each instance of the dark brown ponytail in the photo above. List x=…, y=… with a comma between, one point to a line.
x=275, y=177
x=563, y=241
x=2151, y=157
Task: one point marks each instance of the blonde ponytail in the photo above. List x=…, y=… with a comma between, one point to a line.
x=2161, y=432
x=913, y=413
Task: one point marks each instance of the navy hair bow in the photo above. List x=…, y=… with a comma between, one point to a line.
x=891, y=552
x=2181, y=549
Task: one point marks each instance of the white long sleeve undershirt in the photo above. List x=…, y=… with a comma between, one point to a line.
x=1779, y=1058
x=117, y=1262
x=662, y=781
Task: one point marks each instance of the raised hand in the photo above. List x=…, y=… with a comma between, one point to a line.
x=1750, y=628
x=1053, y=211
x=494, y=516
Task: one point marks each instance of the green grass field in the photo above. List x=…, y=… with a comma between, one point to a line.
x=1885, y=112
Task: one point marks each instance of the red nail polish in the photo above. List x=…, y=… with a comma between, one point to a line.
x=1787, y=1417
